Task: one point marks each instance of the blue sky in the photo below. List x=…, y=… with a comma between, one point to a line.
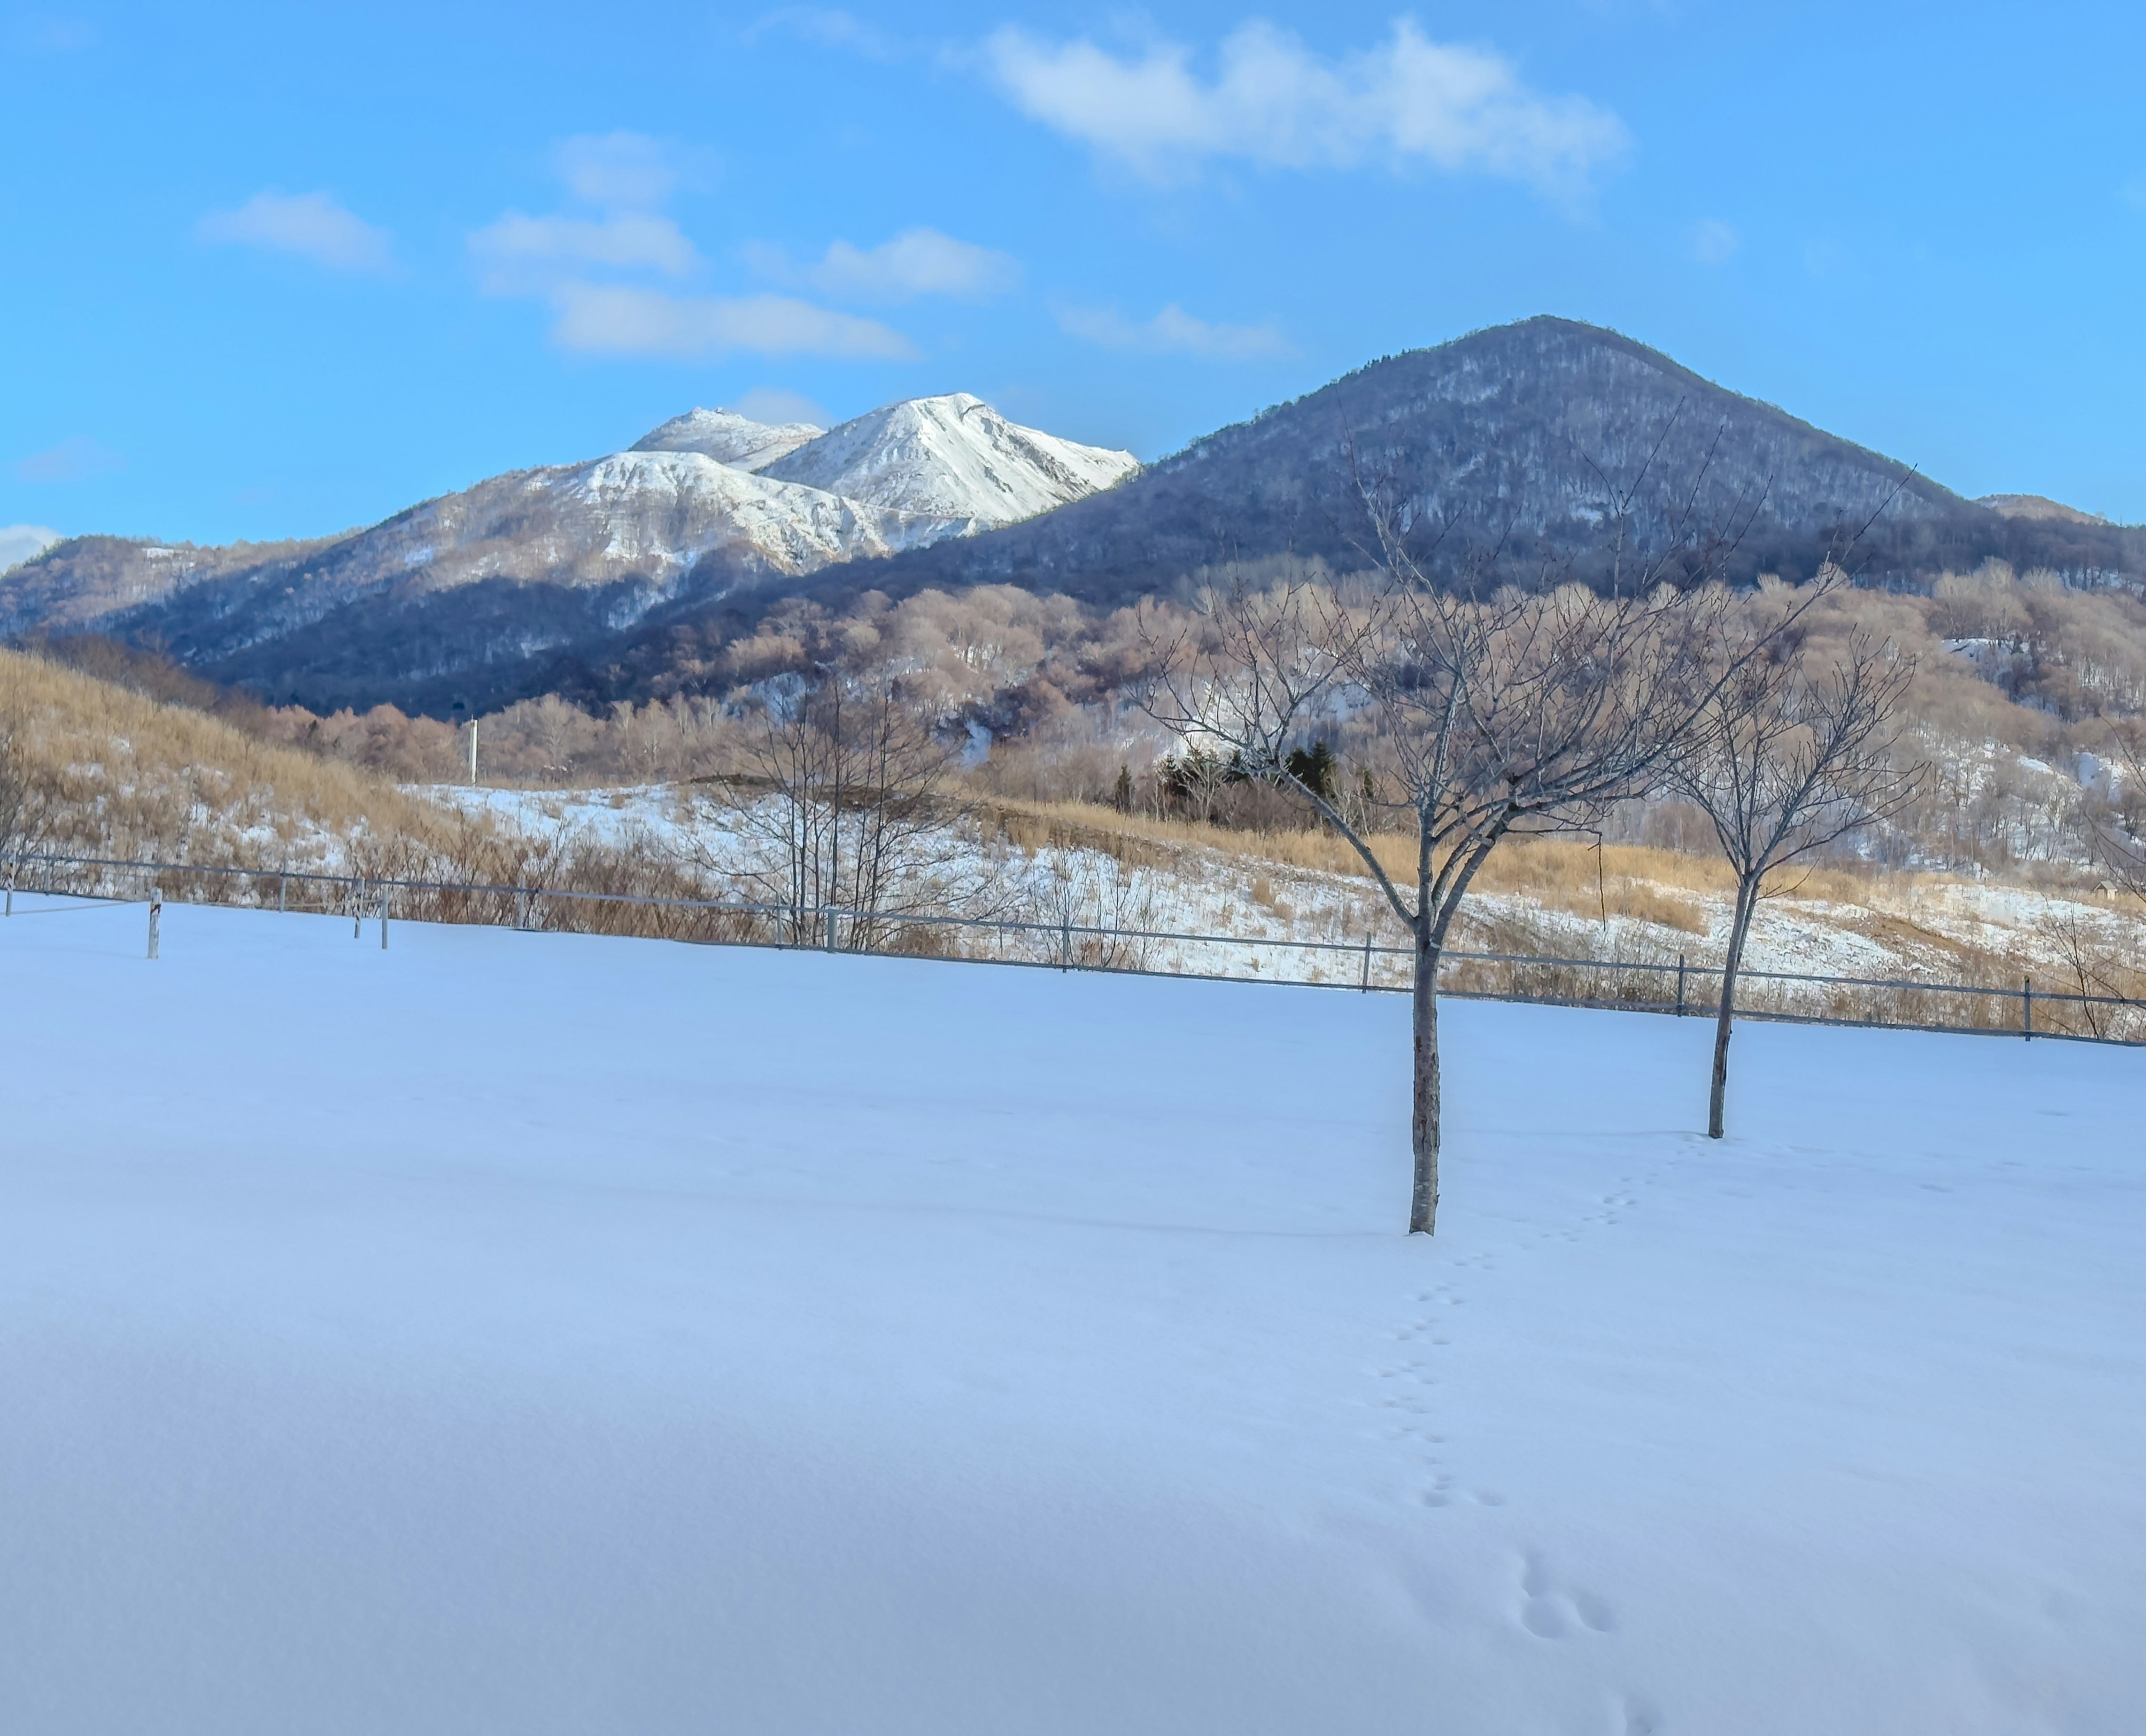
x=278, y=270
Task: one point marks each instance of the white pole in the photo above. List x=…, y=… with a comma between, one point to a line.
x=357, y=909
x=156, y=916
x=383, y=919
x=472, y=753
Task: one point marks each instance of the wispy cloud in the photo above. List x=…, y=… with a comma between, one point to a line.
x=627, y=171
x=829, y=27
x=72, y=460
x=1172, y=332
x=313, y=226
x=916, y=262
x=519, y=255
x=618, y=319
x=24, y=542
x=778, y=404
x=1274, y=102
x=1714, y=242
x=614, y=279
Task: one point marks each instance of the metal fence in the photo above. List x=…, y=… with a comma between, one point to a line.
x=1659, y=984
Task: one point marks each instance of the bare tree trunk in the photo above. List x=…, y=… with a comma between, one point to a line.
x=1747, y=897
x=1423, y=1209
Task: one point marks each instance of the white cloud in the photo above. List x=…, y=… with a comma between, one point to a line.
x=624, y=320
x=916, y=262
x=1275, y=102
x=313, y=225
x=517, y=255
x=1714, y=243
x=597, y=272
x=616, y=170
x=72, y=459
x=24, y=542
x=1172, y=332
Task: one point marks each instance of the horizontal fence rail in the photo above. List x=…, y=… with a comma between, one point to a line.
x=1675, y=986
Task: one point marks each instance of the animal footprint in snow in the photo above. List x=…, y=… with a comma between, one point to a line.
x=1550, y=1611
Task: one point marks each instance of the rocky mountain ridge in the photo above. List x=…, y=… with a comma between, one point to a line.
x=709, y=504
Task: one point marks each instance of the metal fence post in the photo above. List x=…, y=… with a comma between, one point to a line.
x=383, y=919
x=283, y=886
x=1366, y=984
x=1680, y=1012
x=156, y=916
x=2027, y=1009
x=1065, y=943
x=357, y=908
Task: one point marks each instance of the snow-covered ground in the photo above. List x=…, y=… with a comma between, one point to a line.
x=546, y=1333
x=1922, y=927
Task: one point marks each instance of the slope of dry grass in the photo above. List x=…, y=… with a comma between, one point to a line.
x=121, y=774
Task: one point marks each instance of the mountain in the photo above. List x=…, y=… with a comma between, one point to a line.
x=728, y=438
x=954, y=458
x=579, y=577
x=1517, y=435
x=450, y=599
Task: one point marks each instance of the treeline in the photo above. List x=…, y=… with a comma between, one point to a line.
x=2025, y=690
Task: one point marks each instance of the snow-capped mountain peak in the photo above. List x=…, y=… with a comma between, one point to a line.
x=952, y=457
x=728, y=438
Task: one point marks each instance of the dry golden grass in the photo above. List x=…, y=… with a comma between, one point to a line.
x=126, y=775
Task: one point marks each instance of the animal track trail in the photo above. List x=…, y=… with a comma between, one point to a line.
x=1407, y=1383
x=1550, y=1610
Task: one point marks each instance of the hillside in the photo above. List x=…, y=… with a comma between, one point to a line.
x=113, y=772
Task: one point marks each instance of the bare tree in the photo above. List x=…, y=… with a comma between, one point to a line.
x=1787, y=760
x=2120, y=831
x=835, y=810
x=1482, y=708
x=26, y=810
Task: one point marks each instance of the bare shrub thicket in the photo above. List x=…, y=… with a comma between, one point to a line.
x=835, y=811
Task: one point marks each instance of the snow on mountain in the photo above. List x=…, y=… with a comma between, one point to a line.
x=711, y=503
x=676, y=506
x=653, y=516
x=953, y=458
x=729, y=438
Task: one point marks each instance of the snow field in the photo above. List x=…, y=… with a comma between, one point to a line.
x=557, y=1334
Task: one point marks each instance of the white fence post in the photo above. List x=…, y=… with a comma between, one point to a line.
x=383, y=919
x=156, y=916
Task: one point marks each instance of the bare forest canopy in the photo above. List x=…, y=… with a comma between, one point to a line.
x=1518, y=436
x=2023, y=685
